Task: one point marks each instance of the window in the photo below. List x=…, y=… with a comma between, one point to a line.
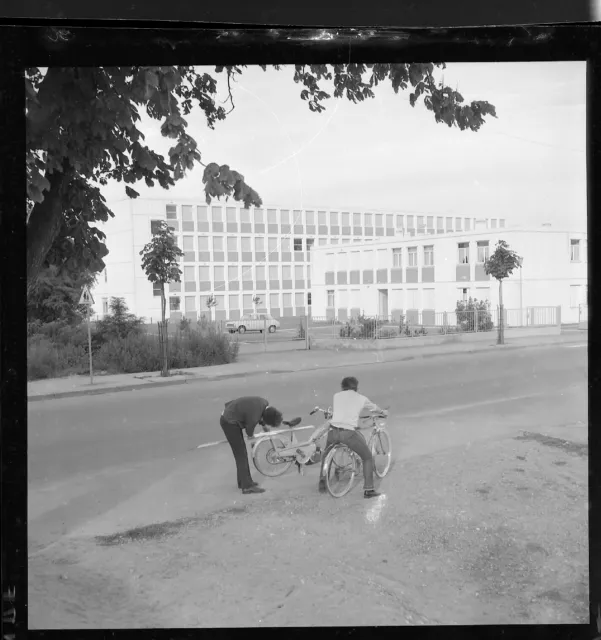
x=343, y=299
x=189, y=274
x=429, y=301
x=234, y=302
x=321, y=217
x=219, y=273
x=187, y=213
x=310, y=217
x=420, y=222
x=355, y=298
x=368, y=222
x=155, y=226
x=330, y=298
x=274, y=272
x=430, y=222
x=247, y=274
x=410, y=222
x=575, y=295
x=502, y=224
x=217, y=244
x=216, y=214
x=190, y=303
x=345, y=219
x=171, y=212
x=356, y=219
x=468, y=225
x=286, y=272
x=247, y=301
x=285, y=216
x=202, y=214
x=399, y=222
x=258, y=216
x=333, y=219
x=298, y=244
x=310, y=243
x=299, y=272
x=457, y=224
x=204, y=274
x=463, y=294
x=575, y=250
x=463, y=256
x=308, y=272
x=413, y=299
x=493, y=224
x=299, y=299
x=272, y=245
x=287, y=300
x=483, y=251
x=309, y=299
x=285, y=245
x=105, y=306
x=449, y=224
x=174, y=303
x=156, y=289
x=389, y=221
x=232, y=274
x=440, y=222
x=245, y=215
x=412, y=253
x=297, y=217
x=259, y=244
x=333, y=240
x=429, y=257
x=260, y=271
x=322, y=241
x=379, y=219
x=105, y=274
x=188, y=243
x=220, y=302
x=368, y=259
x=397, y=258
x=246, y=244
x=274, y=301
x=203, y=243
x=272, y=217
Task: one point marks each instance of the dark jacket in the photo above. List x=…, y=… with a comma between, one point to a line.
x=246, y=411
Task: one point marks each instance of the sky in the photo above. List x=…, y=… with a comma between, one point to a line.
x=528, y=165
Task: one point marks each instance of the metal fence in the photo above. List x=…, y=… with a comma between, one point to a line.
x=415, y=323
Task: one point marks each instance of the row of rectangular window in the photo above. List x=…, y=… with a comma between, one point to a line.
x=335, y=218
x=255, y=272
x=220, y=242
x=351, y=298
x=272, y=300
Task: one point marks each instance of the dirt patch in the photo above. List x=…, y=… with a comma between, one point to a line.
x=558, y=443
x=460, y=529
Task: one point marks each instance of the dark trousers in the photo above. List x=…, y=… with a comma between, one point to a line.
x=234, y=436
x=356, y=441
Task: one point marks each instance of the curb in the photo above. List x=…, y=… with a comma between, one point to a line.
x=193, y=379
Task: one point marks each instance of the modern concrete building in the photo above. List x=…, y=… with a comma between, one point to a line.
x=235, y=253
x=430, y=274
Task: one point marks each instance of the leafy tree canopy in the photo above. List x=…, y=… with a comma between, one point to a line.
x=82, y=131
x=160, y=257
x=502, y=262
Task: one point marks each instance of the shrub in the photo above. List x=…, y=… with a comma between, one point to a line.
x=46, y=359
x=119, y=323
x=466, y=315
x=301, y=331
x=387, y=332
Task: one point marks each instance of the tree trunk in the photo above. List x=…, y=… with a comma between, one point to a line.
x=501, y=339
x=44, y=225
x=165, y=335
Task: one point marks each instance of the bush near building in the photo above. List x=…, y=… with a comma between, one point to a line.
x=119, y=345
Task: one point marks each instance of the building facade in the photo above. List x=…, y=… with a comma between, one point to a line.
x=430, y=274
x=235, y=254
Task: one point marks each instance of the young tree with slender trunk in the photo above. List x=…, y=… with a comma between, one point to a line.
x=160, y=259
x=500, y=265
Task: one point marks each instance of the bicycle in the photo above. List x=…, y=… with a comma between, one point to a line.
x=342, y=464
x=272, y=456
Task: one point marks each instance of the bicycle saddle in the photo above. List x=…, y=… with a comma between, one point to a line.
x=292, y=423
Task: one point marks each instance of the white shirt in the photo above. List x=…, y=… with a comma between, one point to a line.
x=347, y=407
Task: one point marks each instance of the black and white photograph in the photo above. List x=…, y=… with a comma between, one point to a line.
x=307, y=344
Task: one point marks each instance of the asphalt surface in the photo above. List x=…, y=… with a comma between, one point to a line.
x=88, y=454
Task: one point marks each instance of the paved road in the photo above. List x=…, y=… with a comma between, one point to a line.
x=88, y=454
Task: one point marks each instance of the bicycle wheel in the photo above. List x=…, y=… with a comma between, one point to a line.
x=381, y=450
x=266, y=460
x=340, y=471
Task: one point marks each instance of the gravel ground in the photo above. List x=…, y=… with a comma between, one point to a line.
x=492, y=533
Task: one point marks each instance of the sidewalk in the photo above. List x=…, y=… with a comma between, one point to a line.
x=252, y=360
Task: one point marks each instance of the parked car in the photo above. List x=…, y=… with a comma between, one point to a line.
x=253, y=322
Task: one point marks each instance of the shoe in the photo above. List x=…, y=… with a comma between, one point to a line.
x=371, y=493
x=252, y=484
x=253, y=489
